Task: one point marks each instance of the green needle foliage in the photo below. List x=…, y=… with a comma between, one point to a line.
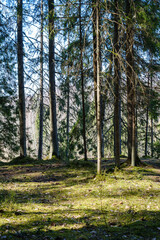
x=8, y=116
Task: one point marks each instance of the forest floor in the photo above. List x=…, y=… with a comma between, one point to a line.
x=47, y=201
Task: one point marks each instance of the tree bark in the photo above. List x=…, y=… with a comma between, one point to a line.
x=82, y=85
x=22, y=112
x=130, y=83
x=68, y=105
x=102, y=97
x=99, y=156
x=146, y=133
x=54, y=148
x=94, y=52
x=40, y=149
x=116, y=85
x=151, y=120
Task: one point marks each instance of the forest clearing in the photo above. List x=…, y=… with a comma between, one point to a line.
x=80, y=120
x=47, y=200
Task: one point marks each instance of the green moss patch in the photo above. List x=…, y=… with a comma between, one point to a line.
x=56, y=201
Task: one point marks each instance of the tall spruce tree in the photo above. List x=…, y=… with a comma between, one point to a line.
x=116, y=84
x=82, y=82
x=99, y=156
x=41, y=89
x=54, y=148
x=22, y=115
x=8, y=101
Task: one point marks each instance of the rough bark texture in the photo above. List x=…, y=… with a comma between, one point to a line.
x=54, y=149
x=68, y=106
x=133, y=158
x=98, y=92
x=116, y=86
x=21, y=80
x=130, y=81
x=82, y=85
x=94, y=53
x=151, y=122
x=146, y=133
x=102, y=98
x=41, y=90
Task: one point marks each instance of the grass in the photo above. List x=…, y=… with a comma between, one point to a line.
x=45, y=200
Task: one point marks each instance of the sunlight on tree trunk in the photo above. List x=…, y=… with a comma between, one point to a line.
x=22, y=111
x=54, y=148
x=41, y=90
x=98, y=93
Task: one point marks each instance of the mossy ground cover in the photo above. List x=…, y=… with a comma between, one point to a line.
x=54, y=201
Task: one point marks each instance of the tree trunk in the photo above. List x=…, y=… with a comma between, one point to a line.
x=22, y=117
x=54, y=149
x=68, y=106
x=151, y=122
x=146, y=134
x=98, y=92
x=120, y=151
x=103, y=101
x=130, y=83
x=41, y=90
x=94, y=52
x=82, y=85
x=116, y=86
x=133, y=153
x=103, y=98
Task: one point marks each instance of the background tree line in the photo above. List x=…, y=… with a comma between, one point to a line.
x=89, y=70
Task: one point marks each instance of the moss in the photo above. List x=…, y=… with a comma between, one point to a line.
x=53, y=201
x=23, y=160
x=82, y=163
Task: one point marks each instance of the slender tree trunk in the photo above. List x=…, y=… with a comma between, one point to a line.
x=94, y=52
x=22, y=112
x=151, y=136
x=137, y=159
x=102, y=127
x=103, y=99
x=133, y=155
x=120, y=128
x=82, y=85
x=146, y=134
x=41, y=90
x=136, y=130
x=151, y=123
x=103, y=102
x=99, y=157
x=54, y=149
x=68, y=106
x=130, y=83
x=116, y=85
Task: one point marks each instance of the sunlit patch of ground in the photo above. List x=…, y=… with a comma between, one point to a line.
x=53, y=201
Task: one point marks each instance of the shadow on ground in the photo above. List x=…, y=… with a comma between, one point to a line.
x=46, y=228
